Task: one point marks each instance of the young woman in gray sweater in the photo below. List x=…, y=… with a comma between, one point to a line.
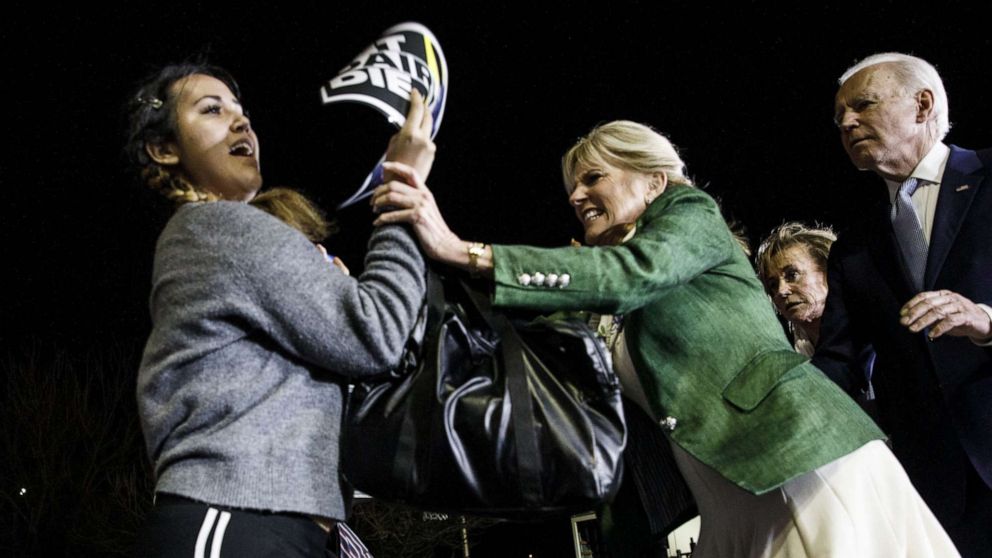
x=254, y=335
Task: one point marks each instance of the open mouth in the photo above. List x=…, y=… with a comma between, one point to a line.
x=242, y=148
x=591, y=214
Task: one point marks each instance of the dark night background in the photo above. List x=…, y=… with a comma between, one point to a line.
x=746, y=93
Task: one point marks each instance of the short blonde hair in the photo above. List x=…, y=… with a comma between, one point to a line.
x=816, y=240
x=626, y=145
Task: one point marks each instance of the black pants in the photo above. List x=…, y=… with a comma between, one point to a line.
x=178, y=527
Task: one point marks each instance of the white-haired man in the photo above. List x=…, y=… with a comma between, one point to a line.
x=914, y=280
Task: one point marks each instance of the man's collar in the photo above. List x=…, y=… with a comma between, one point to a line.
x=930, y=169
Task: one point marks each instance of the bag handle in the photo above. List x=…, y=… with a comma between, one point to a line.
x=434, y=304
x=521, y=407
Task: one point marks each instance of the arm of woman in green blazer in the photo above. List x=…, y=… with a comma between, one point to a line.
x=680, y=236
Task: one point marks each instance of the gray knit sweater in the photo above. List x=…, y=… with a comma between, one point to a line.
x=240, y=386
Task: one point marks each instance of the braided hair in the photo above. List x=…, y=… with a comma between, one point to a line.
x=151, y=113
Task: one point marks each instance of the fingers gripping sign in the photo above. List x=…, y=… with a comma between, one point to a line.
x=946, y=312
x=412, y=144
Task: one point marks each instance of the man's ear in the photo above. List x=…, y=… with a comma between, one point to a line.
x=924, y=105
x=164, y=153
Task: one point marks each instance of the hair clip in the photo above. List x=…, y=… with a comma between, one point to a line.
x=153, y=102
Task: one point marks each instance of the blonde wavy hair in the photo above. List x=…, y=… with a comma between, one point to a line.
x=626, y=145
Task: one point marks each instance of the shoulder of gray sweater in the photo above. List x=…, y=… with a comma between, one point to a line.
x=230, y=238
x=223, y=219
x=245, y=223
x=239, y=230
x=248, y=237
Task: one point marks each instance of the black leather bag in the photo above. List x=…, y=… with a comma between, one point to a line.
x=496, y=419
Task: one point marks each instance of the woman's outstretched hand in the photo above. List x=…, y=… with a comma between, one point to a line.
x=412, y=144
x=406, y=199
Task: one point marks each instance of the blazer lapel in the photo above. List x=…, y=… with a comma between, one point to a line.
x=957, y=190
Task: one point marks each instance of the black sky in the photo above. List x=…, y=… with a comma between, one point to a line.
x=745, y=92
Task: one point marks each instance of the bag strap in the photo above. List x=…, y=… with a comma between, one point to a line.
x=434, y=304
x=408, y=439
x=522, y=411
x=521, y=404
x=435, y=301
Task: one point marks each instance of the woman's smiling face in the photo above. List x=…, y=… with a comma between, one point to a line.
x=215, y=146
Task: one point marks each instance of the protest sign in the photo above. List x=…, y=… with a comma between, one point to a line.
x=383, y=75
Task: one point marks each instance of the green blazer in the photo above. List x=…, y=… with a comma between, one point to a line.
x=717, y=368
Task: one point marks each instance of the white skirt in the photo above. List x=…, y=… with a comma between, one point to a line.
x=861, y=505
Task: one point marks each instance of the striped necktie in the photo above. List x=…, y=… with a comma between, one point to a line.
x=350, y=545
x=909, y=233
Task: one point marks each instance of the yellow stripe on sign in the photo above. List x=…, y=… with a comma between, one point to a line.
x=431, y=60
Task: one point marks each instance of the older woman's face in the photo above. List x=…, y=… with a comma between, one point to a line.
x=797, y=285
x=605, y=196
x=216, y=147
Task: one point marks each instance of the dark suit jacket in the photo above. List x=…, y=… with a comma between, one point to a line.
x=934, y=398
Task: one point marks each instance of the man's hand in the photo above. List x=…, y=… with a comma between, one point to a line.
x=946, y=312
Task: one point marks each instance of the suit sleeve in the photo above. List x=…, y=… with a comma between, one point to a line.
x=676, y=241
x=837, y=351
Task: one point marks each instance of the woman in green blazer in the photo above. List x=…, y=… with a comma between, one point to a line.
x=779, y=460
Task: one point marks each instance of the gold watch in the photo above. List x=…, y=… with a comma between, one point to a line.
x=475, y=249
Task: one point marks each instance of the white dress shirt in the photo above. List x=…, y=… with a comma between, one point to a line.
x=929, y=172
